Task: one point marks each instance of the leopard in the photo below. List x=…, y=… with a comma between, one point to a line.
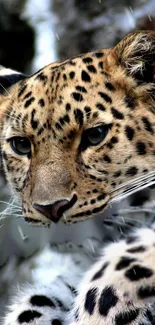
x=77, y=136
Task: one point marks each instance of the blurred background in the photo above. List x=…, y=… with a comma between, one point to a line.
x=34, y=33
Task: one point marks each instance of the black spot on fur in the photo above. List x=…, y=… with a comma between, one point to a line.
x=100, y=273
x=100, y=107
x=138, y=272
x=129, y=131
x=98, y=209
x=28, y=316
x=124, y=262
x=95, y=114
x=108, y=299
x=41, y=301
x=29, y=102
x=131, y=171
x=91, y=68
x=58, y=126
x=136, y=249
x=81, y=89
x=146, y=291
x=41, y=77
x=117, y=114
x=90, y=300
x=77, y=96
x=117, y=174
x=87, y=60
x=126, y=317
x=114, y=140
x=101, y=197
x=71, y=134
x=41, y=102
x=56, y=322
x=64, y=77
x=87, y=111
x=149, y=316
x=68, y=107
x=65, y=119
x=105, y=97
x=85, y=76
x=34, y=123
x=99, y=54
x=22, y=90
x=141, y=148
x=40, y=131
x=28, y=95
x=147, y=125
x=78, y=116
x=107, y=159
x=130, y=102
x=100, y=65
x=72, y=74
x=92, y=201
x=109, y=86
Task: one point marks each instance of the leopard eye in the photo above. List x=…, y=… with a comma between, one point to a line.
x=20, y=145
x=94, y=136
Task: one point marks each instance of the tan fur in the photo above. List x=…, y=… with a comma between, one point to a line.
x=57, y=169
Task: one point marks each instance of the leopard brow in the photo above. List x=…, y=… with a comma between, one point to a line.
x=15, y=133
x=8, y=93
x=8, y=115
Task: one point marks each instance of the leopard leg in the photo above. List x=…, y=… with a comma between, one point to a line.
x=120, y=288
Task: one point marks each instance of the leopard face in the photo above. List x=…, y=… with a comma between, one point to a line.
x=79, y=133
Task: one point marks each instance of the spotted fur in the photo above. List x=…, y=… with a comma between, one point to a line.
x=119, y=289
x=71, y=174
x=56, y=108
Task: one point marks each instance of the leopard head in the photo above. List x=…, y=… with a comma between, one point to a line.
x=79, y=134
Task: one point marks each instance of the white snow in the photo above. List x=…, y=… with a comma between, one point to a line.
x=40, y=16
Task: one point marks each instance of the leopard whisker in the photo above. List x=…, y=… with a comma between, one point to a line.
x=132, y=186
x=135, y=210
x=123, y=221
x=130, y=191
x=10, y=204
x=134, y=180
x=12, y=208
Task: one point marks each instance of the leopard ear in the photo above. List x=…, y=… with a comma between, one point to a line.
x=136, y=52
x=8, y=77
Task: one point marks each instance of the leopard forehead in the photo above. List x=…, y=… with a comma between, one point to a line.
x=66, y=97
x=53, y=108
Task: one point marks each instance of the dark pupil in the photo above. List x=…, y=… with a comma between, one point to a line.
x=21, y=145
x=95, y=135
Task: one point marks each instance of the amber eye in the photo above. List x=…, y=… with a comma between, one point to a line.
x=93, y=136
x=20, y=145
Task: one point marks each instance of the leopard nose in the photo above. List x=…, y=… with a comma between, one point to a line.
x=55, y=211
